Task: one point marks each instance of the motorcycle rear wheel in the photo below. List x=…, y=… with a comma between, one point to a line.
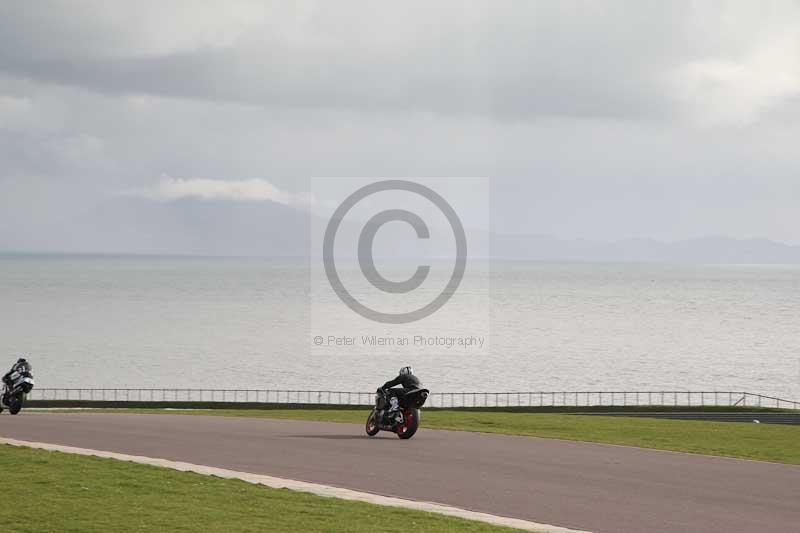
x=410, y=424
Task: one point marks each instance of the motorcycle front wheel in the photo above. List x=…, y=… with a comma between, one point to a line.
x=372, y=424
x=15, y=404
x=410, y=424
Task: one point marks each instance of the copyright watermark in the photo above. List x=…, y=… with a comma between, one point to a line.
x=366, y=260
x=419, y=341
x=399, y=264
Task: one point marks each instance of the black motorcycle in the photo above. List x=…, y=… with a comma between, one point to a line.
x=18, y=383
x=404, y=421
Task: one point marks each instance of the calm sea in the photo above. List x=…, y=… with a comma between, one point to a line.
x=89, y=321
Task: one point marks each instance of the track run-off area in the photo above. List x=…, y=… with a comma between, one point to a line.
x=583, y=486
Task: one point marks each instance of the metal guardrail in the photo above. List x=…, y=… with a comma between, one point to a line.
x=436, y=399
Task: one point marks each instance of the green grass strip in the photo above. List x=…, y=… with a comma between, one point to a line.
x=51, y=491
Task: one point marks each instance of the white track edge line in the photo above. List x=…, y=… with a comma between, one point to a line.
x=313, y=488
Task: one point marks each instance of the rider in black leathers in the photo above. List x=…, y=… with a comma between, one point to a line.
x=20, y=366
x=7, y=377
x=407, y=381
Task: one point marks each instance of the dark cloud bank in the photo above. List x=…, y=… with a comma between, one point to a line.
x=633, y=123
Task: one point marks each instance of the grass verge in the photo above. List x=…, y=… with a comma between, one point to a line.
x=71, y=493
x=765, y=442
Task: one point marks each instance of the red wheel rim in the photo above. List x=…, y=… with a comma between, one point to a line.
x=407, y=417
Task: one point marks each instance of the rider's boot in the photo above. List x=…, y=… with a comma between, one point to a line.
x=393, y=404
x=394, y=409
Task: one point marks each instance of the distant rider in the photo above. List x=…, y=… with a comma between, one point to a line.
x=7, y=379
x=407, y=381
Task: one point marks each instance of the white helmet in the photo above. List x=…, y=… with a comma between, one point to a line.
x=406, y=371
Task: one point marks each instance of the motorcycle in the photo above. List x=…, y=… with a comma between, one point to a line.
x=20, y=383
x=404, y=421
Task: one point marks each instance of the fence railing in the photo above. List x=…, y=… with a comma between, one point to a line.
x=436, y=399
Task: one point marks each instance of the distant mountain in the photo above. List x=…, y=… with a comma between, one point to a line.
x=701, y=250
x=134, y=225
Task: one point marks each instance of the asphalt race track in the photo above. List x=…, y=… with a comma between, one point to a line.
x=585, y=486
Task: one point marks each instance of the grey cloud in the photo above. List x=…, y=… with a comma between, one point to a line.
x=602, y=121
x=521, y=61
x=734, y=61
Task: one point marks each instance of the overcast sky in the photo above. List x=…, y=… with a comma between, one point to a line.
x=597, y=120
